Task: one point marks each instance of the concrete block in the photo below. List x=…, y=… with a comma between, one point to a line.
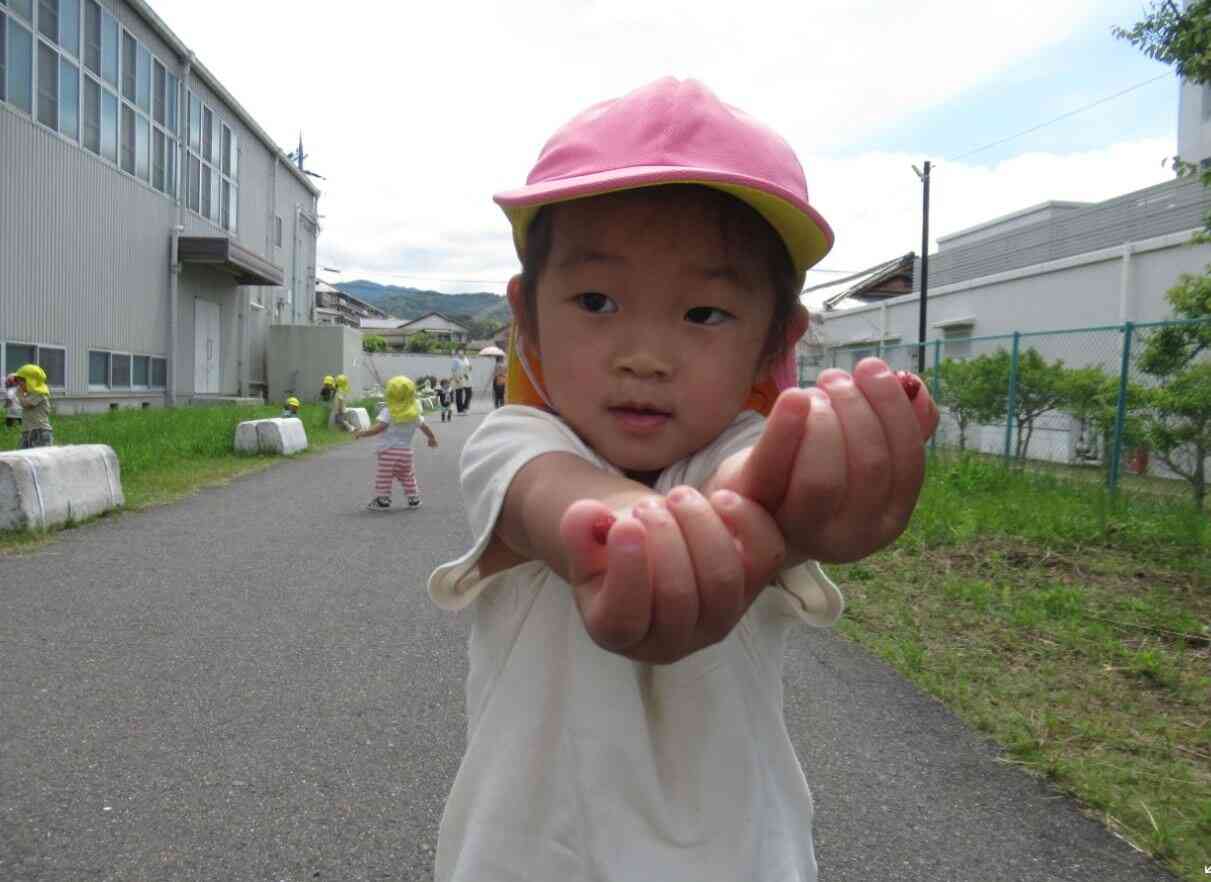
x=282, y=436
x=279, y=436
x=51, y=486
x=357, y=418
x=246, y=440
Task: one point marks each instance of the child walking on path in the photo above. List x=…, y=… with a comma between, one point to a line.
x=34, y=395
x=397, y=422
x=649, y=508
x=445, y=397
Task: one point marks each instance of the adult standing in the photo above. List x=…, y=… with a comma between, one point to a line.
x=499, y=378
x=460, y=379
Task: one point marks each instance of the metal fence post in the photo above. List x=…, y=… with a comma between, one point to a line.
x=1011, y=402
x=936, y=385
x=1120, y=415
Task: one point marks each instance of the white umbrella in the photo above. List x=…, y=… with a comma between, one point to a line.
x=492, y=350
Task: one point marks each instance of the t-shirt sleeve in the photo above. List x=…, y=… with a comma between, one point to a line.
x=505, y=441
x=384, y=416
x=805, y=592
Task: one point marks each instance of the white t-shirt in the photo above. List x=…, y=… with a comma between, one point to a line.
x=584, y=765
x=460, y=372
x=12, y=404
x=397, y=434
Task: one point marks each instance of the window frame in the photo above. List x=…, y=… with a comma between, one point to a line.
x=97, y=387
x=37, y=359
x=114, y=355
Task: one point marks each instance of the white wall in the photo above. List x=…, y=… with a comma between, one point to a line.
x=414, y=365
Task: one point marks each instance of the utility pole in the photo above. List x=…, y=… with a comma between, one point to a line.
x=924, y=176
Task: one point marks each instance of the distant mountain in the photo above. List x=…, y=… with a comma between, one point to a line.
x=412, y=303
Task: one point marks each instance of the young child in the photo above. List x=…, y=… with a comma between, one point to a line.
x=292, y=408
x=644, y=485
x=397, y=422
x=336, y=414
x=34, y=396
x=12, y=406
x=327, y=388
x=445, y=398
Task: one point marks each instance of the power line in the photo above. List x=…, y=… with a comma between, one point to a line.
x=1062, y=116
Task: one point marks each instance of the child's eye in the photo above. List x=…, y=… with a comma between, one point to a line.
x=707, y=315
x=592, y=301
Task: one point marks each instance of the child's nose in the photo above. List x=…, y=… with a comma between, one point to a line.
x=644, y=364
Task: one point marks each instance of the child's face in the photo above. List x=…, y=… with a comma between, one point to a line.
x=650, y=329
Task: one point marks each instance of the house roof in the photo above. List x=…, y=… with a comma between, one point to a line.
x=870, y=283
x=388, y=324
x=439, y=315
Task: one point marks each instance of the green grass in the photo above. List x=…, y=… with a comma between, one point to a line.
x=167, y=453
x=1071, y=627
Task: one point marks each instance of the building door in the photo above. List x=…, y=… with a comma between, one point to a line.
x=206, y=324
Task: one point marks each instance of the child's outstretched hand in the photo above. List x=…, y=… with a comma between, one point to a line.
x=671, y=577
x=840, y=466
x=433, y=441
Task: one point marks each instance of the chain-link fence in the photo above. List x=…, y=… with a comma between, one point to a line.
x=1111, y=401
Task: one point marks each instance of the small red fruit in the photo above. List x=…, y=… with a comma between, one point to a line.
x=910, y=384
x=601, y=528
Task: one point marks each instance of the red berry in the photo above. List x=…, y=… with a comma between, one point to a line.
x=909, y=383
x=601, y=528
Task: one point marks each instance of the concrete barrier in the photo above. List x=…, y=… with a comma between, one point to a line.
x=51, y=486
x=357, y=418
x=282, y=436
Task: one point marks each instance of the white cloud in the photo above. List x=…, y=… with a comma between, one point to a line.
x=417, y=112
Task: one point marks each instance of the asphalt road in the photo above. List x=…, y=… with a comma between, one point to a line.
x=252, y=685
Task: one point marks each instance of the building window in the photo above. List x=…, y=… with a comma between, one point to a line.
x=92, y=115
x=957, y=341
x=69, y=26
x=194, y=199
x=205, y=189
x=139, y=372
x=92, y=37
x=195, y=122
x=159, y=94
x=129, y=50
x=277, y=231
x=159, y=373
x=98, y=369
x=143, y=79
x=119, y=377
x=128, y=139
x=109, y=48
x=226, y=151
x=109, y=125
x=157, y=161
x=54, y=362
x=3, y=52
x=48, y=86
x=69, y=99
x=207, y=119
x=142, y=148
x=19, y=67
x=24, y=8
x=18, y=354
x=48, y=18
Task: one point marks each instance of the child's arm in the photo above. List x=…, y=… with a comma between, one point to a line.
x=429, y=434
x=840, y=466
x=656, y=579
x=376, y=429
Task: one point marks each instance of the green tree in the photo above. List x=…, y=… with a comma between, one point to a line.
x=374, y=343
x=422, y=341
x=1176, y=37
x=965, y=393
x=1037, y=391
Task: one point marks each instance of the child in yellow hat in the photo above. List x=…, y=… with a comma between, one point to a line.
x=34, y=395
x=397, y=422
x=340, y=392
x=292, y=408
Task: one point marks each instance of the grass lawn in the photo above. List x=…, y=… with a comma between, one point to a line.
x=165, y=454
x=1072, y=628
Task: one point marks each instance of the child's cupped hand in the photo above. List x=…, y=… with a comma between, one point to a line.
x=839, y=466
x=672, y=576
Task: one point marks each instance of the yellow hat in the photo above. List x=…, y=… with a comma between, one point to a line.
x=292, y=402
x=401, y=400
x=35, y=378
x=328, y=380
x=342, y=383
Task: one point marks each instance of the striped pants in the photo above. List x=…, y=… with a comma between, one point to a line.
x=395, y=462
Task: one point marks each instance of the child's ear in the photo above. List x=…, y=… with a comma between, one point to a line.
x=796, y=326
x=517, y=303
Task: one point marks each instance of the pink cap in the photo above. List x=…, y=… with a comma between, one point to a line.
x=674, y=132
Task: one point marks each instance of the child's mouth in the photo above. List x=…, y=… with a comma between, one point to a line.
x=637, y=419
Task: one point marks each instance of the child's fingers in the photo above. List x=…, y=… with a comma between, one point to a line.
x=818, y=479
x=758, y=540
x=763, y=478
x=617, y=607
x=674, y=586
x=586, y=556
x=716, y=559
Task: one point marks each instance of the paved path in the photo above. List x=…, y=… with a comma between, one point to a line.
x=251, y=685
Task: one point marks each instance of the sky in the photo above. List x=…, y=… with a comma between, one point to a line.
x=416, y=113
